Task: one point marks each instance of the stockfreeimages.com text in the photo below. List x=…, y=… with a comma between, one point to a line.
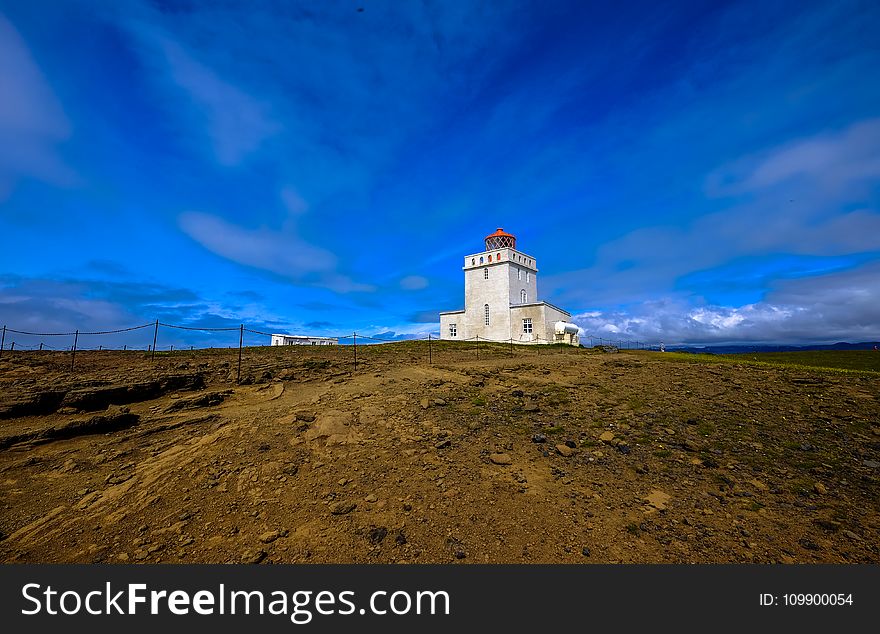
x=300, y=606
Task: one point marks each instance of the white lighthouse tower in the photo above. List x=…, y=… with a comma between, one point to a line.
x=501, y=299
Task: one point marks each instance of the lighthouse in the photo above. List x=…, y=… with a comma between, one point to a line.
x=501, y=299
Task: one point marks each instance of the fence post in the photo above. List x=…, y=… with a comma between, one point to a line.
x=41, y=346
x=155, y=335
x=430, y=358
x=240, y=340
x=124, y=347
x=478, y=347
x=355, y=336
x=12, y=347
x=511, y=346
x=2, y=341
x=73, y=356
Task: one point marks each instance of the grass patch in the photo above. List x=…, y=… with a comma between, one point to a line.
x=554, y=430
x=313, y=364
x=858, y=360
x=801, y=486
x=636, y=403
x=706, y=428
x=864, y=362
x=479, y=401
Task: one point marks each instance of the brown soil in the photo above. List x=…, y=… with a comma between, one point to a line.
x=311, y=460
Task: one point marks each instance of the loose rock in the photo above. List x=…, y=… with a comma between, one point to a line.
x=342, y=508
x=565, y=450
x=271, y=536
x=253, y=556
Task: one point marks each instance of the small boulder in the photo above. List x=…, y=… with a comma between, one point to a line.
x=564, y=450
x=254, y=556
x=342, y=508
x=269, y=537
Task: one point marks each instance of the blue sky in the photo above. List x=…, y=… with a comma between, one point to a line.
x=691, y=172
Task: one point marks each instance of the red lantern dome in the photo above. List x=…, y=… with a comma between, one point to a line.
x=500, y=240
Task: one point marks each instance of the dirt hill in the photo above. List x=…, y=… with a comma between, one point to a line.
x=484, y=455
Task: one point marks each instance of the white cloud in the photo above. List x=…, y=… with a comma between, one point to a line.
x=413, y=283
x=281, y=252
x=834, y=160
x=32, y=122
x=780, y=202
x=836, y=307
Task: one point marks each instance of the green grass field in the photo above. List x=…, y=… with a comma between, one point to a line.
x=832, y=360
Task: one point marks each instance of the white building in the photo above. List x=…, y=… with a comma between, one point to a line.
x=302, y=340
x=501, y=300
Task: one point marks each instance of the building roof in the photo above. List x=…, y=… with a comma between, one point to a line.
x=557, y=308
x=499, y=232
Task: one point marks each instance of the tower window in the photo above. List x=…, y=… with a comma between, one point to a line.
x=481, y=259
x=523, y=296
x=485, y=274
x=473, y=261
x=528, y=276
x=486, y=312
x=519, y=274
x=490, y=257
x=453, y=330
x=527, y=326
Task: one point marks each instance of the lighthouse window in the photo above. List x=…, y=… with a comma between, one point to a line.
x=490, y=258
x=528, y=276
x=519, y=274
x=523, y=297
x=527, y=326
x=486, y=311
x=453, y=331
x=473, y=261
x=481, y=259
x=485, y=274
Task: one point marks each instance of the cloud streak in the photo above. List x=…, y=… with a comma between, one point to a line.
x=32, y=122
x=281, y=252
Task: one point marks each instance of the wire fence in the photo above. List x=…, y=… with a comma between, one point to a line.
x=13, y=340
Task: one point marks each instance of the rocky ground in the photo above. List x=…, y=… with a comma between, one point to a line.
x=543, y=455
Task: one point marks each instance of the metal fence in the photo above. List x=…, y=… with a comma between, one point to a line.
x=358, y=346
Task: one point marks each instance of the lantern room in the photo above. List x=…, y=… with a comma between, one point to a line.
x=500, y=240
